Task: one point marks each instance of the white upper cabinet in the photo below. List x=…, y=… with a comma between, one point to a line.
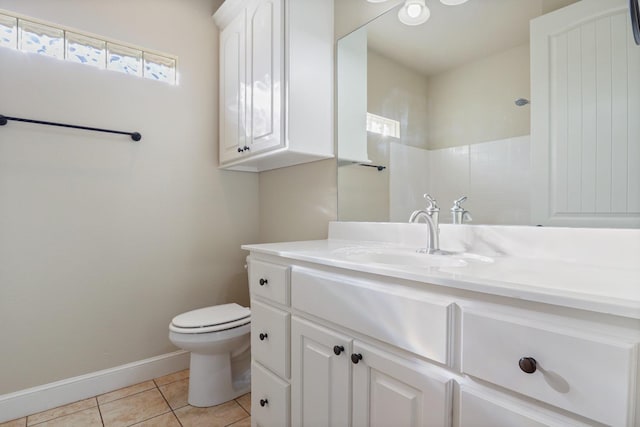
x=276, y=83
x=233, y=123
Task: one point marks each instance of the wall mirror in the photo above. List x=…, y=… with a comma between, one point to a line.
x=527, y=107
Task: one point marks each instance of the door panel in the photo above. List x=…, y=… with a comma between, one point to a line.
x=320, y=378
x=390, y=390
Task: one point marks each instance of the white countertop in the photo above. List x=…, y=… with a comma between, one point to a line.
x=578, y=282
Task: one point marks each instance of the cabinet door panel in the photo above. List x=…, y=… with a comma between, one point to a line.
x=232, y=89
x=269, y=399
x=483, y=408
x=270, y=337
x=269, y=281
x=266, y=46
x=319, y=377
x=389, y=390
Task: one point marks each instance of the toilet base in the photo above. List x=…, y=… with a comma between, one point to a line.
x=210, y=381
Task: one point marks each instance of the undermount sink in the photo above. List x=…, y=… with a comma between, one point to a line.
x=407, y=257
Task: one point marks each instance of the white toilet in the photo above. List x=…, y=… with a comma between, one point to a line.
x=219, y=340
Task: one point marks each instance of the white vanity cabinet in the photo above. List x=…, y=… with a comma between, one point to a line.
x=330, y=370
x=340, y=347
x=276, y=83
x=579, y=366
x=270, y=343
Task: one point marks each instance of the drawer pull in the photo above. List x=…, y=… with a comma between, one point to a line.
x=337, y=349
x=263, y=336
x=264, y=402
x=528, y=365
x=263, y=282
x=356, y=357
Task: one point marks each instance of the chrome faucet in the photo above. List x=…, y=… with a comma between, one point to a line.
x=430, y=215
x=458, y=214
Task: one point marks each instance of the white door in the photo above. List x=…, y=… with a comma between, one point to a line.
x=320, y=375
x=392, y=391
x=233, y=129
x=585, y=132
x=265, y=45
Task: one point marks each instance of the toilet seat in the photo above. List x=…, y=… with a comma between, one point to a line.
x=211, y=319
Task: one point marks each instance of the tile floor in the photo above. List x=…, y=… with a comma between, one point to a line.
x=161, y=402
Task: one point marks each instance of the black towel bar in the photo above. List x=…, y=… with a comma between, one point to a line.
x=379, y=167
x=134, y=135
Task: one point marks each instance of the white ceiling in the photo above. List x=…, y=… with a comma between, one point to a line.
x=455, y=35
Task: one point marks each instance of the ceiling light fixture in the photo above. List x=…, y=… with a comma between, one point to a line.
x=451, y=2
x=414, y=12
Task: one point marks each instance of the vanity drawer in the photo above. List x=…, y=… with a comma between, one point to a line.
x=270, y=397
x=483, y=408
x=403, y=317
x=591, y=374
x=269, y=281
x=270, y=331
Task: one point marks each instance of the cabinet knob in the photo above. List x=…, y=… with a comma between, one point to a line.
x=247, y=148
x=337, y=349
x=528, y=365
x=263, y=282
x=240, y=150
x=263, y=336
x=356, y=357
x=264, y=402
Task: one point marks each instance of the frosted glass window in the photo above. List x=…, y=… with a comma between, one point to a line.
x=86, y=50
x=124, y=59
x=159, y=68
x=41, y=39
x=34, y=36
x=383, y=125
x=8, y=31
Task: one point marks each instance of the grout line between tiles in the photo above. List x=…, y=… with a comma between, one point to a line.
x=242, y=407
x=99, y=411
x=26, y=419
x=176, y=415
x=150, y=418
x=237, y=421
x=128, y=395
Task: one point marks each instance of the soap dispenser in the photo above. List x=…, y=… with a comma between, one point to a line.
x=458, y=214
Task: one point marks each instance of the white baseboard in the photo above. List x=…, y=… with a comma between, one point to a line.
x=47, y=396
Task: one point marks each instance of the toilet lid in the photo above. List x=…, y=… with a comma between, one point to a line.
x=221, y=317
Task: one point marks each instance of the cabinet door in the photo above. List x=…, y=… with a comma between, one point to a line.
x=392, y=391
x=320, y=375
x=233, y=119
x=265, y=80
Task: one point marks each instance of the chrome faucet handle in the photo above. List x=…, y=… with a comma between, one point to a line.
x=433, y=204
x=458, y=213
x=456, y=203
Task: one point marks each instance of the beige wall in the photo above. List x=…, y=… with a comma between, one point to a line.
x=297, y=203
x=103, y=241
x=475, y=102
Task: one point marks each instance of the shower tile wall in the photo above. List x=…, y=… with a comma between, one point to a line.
x=495, y=176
